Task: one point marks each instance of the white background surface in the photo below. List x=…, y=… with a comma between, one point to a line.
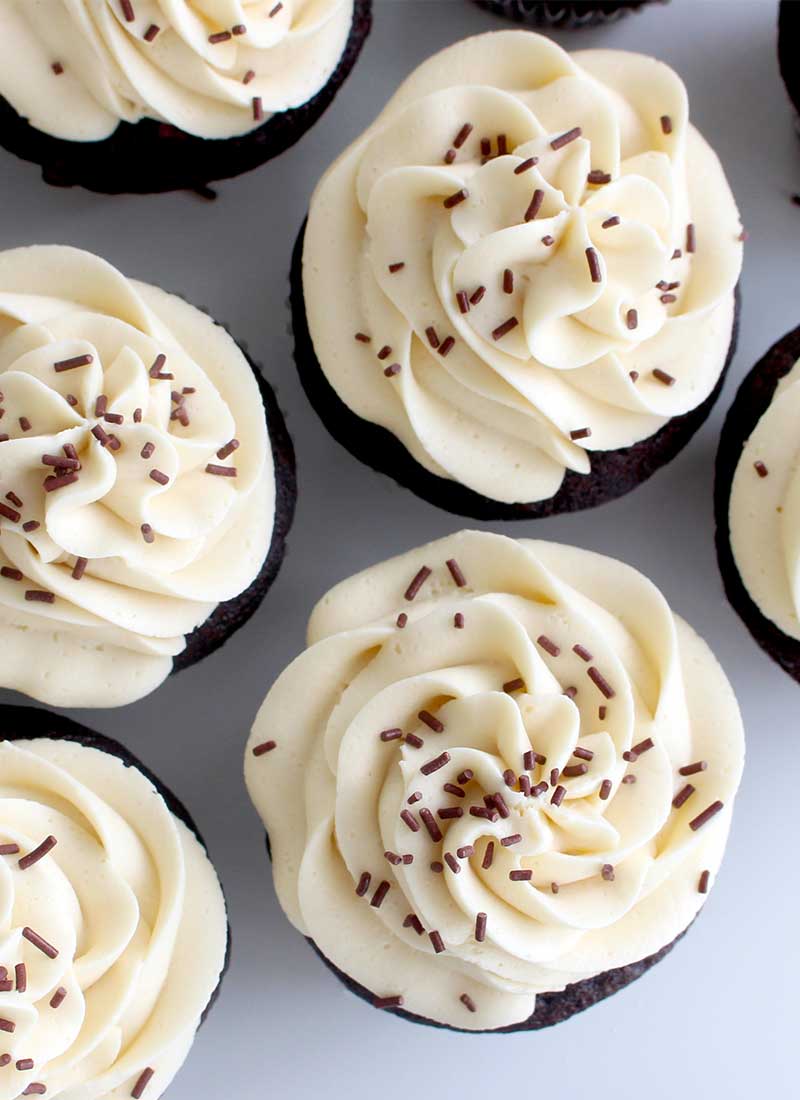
x=716, y=1018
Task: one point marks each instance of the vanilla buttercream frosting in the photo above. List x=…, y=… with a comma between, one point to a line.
x=764, y=509
x=529, y=256
x=500, y=767
x=113, y=930
x=75, y=69
x=137, y=488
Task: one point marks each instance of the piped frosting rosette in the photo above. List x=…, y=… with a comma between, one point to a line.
x=536, y=254
x=136, y=481
x=764, y=511
x=213, y=68
x=112, y=927
x=500, y=768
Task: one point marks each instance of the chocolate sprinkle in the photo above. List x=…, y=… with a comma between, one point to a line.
x=458, y=620
x=437, y=941
x=409, y=819
x=520, y=876
x=413, y=921
x=583, y=754
x=417, y=583
x=526, y=165
x=548, y=645
x=605, y=789
x=450, y=813
x=693, y=769
x=454, y=200
x=608, y=872
x=530, y=758
x=431, y=722
x=580, y=433
x=452, y=863
x=480, y=927
x=666, y=124
x=9, y=849
x=265, y=747
x=38, y=1089
x=451, y=788
x=462, y=135
x=511, y=686
x=363, y=884
x=12, y=575
x=598, y=177
x=610, y=222
x=683, y=795
x=79, y=568
x=488, y=857
x=414, y=741
x=7, y=1025
x=433, y=339
x=34, y=595
x=40, y=943
x=58, y=997
x=632, y=319
x=156, y=371
x=468, y=1002
x=142, y=1083
x=593, y=260
x=446, y=346
x=535, y=205
x=435, y=764
x=380, y=894
x=465, y=776
x=601, y=683
x=147, y=533
x=573, y=770
x=463, y=301
x=158, y=476
x=429, y=821
x=391, y=734
x=402, y=619
x=702, y=886
x=476, y=295
x=71, y=364
x=152, y=32
x=9, y=513
x=701, y=819
x=558, y=795
x=127, y=10
x=760, y=468
x=508, y=281
x=565, y=139
x=228, y=449
x=33, y=857
x=691, y=238
x=394, y=268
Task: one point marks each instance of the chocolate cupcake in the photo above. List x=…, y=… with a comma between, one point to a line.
x=156, y=95
x=146, y=481
x=755, y=495
x=498, y=783
x=788, y=36
x=565, y=13
x=115, y=932
x=518, y=312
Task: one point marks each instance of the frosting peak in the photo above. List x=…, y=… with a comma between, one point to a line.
x=536, y=236
x=479, y=787
x=137, y=488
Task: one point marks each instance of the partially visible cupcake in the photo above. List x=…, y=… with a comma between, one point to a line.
x=565, y=13
x=788, y=37
x=516, y=292
x=114, y=934
x=159, y=95
x=146, y=481
x=499, y=782
x=757, y=499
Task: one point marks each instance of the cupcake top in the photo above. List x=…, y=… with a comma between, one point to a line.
x=136, y=480
x=764, y=510
x=214, y=70
x=113, y=931
x=500, y=768
x=531, y=255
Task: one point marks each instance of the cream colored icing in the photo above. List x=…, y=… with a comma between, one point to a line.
x=110, y=637
x=497, y=415
x=131, y=904
x=764, y=512
x=111, y=71
x=331, y=791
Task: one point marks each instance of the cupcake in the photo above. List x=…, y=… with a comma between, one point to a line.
x=565, y=13
x=114, y=929
x=756, y=492
x=788, y=30
x=498, y=784
x=146, y=481
x=518, y=303
x=158, y=95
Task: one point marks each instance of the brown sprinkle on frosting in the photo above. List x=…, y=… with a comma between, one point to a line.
x=760, y=468
x=702, y=886
x=435, y=764
x=433, y=339
x=446, y=345
x=608, y=872
x=511, y=686
x=391, y=734
x=693, y=769
x=157, y=372
x=71, y=364
x=363, y=884
x=565, y=139
x=535, y=205
x=632, y=319
x=488, y=858
x=417, y=583
x=58, y=997
x=601, y=683
x=683, y=795
x=408, y=818
x=394, y=268
x=380, y=894
x=701, y=819
x=159, y=477
x=429, y=821
x=691, y=238
x=526, y=165
x=38, y=853
x=505, y=328
x=609, y=223
x=558, y=795
x=463, y=301
x=147, y=533
x=597, y=177
x=264, y=748
x=437, y=942
x=548, y=646
x=573, y=770
x=462, y=135
x=402, y=619
x=231, y=446
x=40, y=943
x=605, y=789
x=152, y=32
x=580, y=433
x=9, y=849
x=413, y=921
x=38, y=595
x=12, y=575
x=127, y=10
x=452, y=863
x=666, y=124
x=593, y=260
x=142, y=1083
x=520, y=875
x=456, y=199
x=477, y=294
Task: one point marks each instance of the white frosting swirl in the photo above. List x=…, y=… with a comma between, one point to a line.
x=332, y=791
x=112, y=68
x=498, y=413
x=132, y=906
x=109, y=637
x=764, y=511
